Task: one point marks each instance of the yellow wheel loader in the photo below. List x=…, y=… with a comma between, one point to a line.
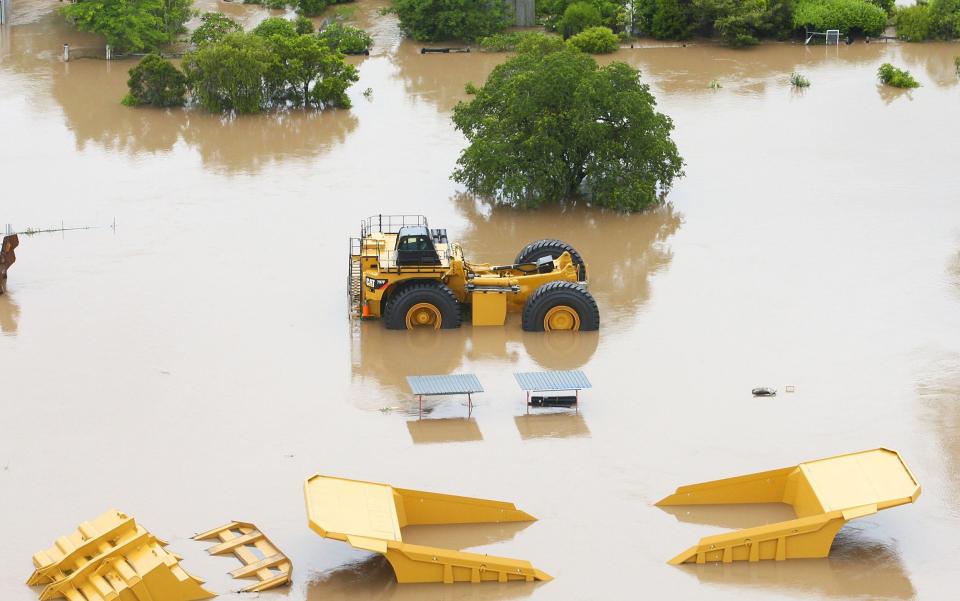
x=411, y=276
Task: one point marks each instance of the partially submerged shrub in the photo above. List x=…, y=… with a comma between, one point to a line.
x=956, y=63
x=799, y=81
x=505, y=42
x=715, y=85
x=155, y=82
x=346, y=39
x=595, y=40
x=895, y=77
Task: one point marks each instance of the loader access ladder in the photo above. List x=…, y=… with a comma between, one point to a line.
x=354, y=279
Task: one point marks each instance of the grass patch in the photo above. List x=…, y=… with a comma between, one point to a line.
x=797, y=80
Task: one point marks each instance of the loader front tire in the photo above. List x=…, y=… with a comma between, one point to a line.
x=553, y=249
x=560, y=306
x=423, y=305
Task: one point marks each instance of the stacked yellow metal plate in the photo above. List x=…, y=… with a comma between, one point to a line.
x=113, y=557
x=825, y=495
x=369, y=516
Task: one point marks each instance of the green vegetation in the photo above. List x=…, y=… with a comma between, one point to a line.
x=436, y=20
x=849, y=16
x=505, y=42
x=595, y=40
x=131, y=25
x=303, y=25
x=714, y=84
x=578, y=17
x=213, y=27
x=895, y=77
x=934, y=20
x=274, y=66
x=346, y=39
x=549, y=124
x=914, y=23
x=956, y=63
x=155, y=82
x=799, y=81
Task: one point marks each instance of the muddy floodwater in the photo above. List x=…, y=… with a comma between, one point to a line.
x=194, y=363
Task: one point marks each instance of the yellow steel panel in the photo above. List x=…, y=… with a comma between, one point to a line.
x=825, y=494
x=113, y=558
x=489, y=308
x=273, y=570
x=343, y=506
x=878, y=476
x=355, y=512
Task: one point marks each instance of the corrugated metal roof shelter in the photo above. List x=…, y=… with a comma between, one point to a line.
x=552, y=381
x=467, y=384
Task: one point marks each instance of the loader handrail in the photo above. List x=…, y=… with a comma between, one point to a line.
x=389, y=224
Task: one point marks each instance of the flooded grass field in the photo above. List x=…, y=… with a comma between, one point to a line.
x=194, y=363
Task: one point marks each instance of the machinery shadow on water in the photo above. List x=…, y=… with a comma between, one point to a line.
x=381, y=359
x=856, y=568
x=373, y=578
x=622, y=251
x=843, y=574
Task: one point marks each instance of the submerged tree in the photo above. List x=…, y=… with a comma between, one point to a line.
x=550, y=123
x=433, y=20
x=155, y=82
x=131, y=25
x=213, y=28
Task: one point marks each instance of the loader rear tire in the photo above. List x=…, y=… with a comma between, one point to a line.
x=561, y=306
x=423, y=305
x=553, y=249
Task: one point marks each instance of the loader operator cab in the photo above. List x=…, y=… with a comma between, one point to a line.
x=415, y=247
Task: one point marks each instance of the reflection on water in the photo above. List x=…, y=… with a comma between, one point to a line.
x=451, y=429
x=552, y=425
x=622, y=252
x=373, y=579
x=384, y=358
x=9, y=313
x=745, y=515
x=856, y=568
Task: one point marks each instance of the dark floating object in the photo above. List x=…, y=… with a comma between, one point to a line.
x=444, y=50
x=764, y=391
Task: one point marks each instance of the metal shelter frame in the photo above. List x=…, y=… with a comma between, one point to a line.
x=449, y=385
x=553, y=381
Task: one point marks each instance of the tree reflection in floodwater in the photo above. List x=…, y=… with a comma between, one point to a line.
x=622, y=251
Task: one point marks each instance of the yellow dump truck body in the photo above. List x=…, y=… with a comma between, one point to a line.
x=369, y=516
x=825, y=494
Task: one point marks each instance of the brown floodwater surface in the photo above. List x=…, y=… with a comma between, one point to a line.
x=195, y=363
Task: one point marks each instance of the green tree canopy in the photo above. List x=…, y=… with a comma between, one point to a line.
x=130, y=25
x=849, y=16
x=577, y=17
x=346, y=39
x=213, y=27
x=436, y=20
x=155, y=82
x=228, y=75
x=550, y=123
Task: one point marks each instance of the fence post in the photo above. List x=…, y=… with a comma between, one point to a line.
x=66, y=53
x=109, y=52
